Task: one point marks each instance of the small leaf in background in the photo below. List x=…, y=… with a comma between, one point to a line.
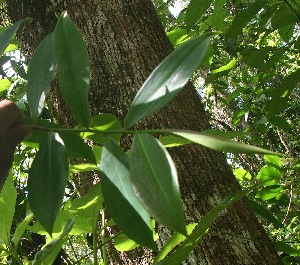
x=41, y=70
x=243, y=18
x=221, y=71
x=238, y=115
x=4, y=85
x=73, y=68
x=172, y=242
x=220, y=144
x=21, y=228
x=47, y=180
x=273, y=161
x=119, y=198
x=242, y=174
x=82, y=168
x=103, y=122
x=124, y=243
x=263, y=212
x=269, y=192
x=168, y=79
x=7, y=35
x=183, y=251
x=195, y=10
x=154, y=180
x=8, y=198
x=50, y=251
x=269, y=176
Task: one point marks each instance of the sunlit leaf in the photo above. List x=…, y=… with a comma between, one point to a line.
x=220, y=144
x=119, y=198
x=124, y=243
x=269, y=176
x=168, y=78
x=154, y=180
x=41, y=70
x=273, y=161
x=47, y=180
x=242, y=174
x=73, y=68
x=8, y=198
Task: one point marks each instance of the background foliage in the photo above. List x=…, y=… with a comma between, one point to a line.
x=249, y=83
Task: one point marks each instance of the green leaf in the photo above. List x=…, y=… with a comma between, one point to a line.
x=8, y=198
x=47, y=180
x=242, y=174
x=119, y=198
x=243, y=18
x=281, y=94
x=154, y=180
x=21, y=228
x=273, y=161
x=280, y=122
x=124, y=243
x=103, y=123
x=173, y=140
x=7, y=35
x=87, y=208
x=172, y=242
x=221, y=71
x=41, y=70
x=220, y=144
x=269, y=192
x=50, y=251
x=168, y=78
x=269, y=176
x=85, y=167
x=4, y=85
x=283, y=17
x=263, y=212
x=183, y=251
x=73, y=68
x=195, y=10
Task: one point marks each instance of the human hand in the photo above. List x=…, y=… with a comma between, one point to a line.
x=12, y=132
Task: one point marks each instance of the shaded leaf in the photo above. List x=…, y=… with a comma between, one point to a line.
x=47, y=180
x=21, y=228
x=7, y=35
x=182, y=252
x=154, y=180
x=73, y=68
x=50, y=251
x=8, y=198
x=41, y=70
x=168, y=78
x=220, y=144
x=243, y=18
x=119, y=197
x=263, y=212
x=195, y=10
x=221, y=71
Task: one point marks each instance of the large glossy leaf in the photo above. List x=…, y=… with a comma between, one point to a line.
x=47, y=180
x=220, y=144
x=119, y=198
x=50, y=251
x=195, y=10
x=154, y=180
x=243, y=18
x=168, y=78
x=182, y=252
x=8, y=198
x=41, y=70
x=73, y=68
x=7, y=35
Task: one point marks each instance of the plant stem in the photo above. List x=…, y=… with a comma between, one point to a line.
x=103, y=247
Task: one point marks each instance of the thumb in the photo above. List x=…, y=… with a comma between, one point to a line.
x=18, y=133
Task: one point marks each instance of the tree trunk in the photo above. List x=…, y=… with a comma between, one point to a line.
x=126, y=42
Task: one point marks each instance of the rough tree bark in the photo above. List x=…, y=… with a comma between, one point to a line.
x=126, y=42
